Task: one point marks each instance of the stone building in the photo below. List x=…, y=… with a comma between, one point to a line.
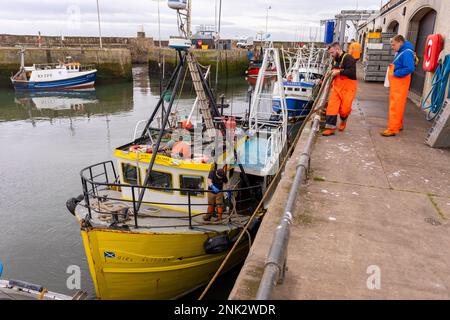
x=415, y=19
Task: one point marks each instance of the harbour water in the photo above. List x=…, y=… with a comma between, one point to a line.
x=45, y=140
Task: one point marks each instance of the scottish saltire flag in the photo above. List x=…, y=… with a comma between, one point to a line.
x=110, y=255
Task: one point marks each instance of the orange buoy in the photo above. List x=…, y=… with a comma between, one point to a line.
x=187, y=125
x=182, y=149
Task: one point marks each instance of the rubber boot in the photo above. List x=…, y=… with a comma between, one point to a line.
x=388, y=133
x=210, y=213
x=328, y=133
x=343, y=125
x=219, y=213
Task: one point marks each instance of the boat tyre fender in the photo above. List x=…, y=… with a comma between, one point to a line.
x=254, y=226
x=216, y=245
x=72, y=204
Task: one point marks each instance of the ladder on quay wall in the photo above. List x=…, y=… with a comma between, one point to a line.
x=203, y=102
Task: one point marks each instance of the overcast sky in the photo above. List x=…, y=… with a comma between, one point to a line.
x=288, y=19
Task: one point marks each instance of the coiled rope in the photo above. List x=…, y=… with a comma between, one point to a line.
x=438, y=89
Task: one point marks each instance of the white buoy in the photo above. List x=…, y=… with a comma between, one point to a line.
x=177, y=4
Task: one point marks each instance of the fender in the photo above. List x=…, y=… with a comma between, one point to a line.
x=434, y=47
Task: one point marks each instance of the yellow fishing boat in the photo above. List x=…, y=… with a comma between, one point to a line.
x=166, y=250
x=142, y=215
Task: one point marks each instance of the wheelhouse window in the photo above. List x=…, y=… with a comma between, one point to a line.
x=192, y=183
x=160, y=180
x=130, y=174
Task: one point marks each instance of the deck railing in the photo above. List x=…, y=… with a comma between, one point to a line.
x=103, y=177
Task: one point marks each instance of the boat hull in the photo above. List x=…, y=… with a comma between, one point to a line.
x=151, y=266
x=296, y=107
x=85, y=81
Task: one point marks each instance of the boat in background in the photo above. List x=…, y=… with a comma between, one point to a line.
x=68, y=75
x=21, y=290
x=304, y=70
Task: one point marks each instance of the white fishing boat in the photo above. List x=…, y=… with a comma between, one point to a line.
x=68, y=75
x=304, y=70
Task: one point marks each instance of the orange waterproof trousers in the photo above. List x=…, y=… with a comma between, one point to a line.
x=343, y=92
x=397, y=100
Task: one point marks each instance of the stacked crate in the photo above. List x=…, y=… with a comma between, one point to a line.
x=378, y=56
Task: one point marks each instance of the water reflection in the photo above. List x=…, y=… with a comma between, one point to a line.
x=57, y=100
x=65, y=104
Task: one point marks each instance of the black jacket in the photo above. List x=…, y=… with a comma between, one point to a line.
x=347, y=64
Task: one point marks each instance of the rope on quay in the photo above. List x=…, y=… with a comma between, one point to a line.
x=318, y=105
x=438, y=89
x=274, y=269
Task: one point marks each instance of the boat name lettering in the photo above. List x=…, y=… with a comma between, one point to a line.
x=156, y=259
x=47, y=75
x=127, y=259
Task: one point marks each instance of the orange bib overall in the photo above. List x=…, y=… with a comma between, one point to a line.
x=343, y=92
x=397, y=100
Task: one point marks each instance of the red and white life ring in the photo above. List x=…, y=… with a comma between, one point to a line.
x=434, y=47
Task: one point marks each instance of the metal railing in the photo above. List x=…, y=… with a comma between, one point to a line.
x=276, y=261
x=48, y=66
x=275, y=267
x=93, y=186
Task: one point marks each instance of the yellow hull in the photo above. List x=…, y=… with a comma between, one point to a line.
x=150, y=266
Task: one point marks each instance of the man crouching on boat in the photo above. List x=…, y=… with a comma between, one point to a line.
x=343, y=91
x=217, y=182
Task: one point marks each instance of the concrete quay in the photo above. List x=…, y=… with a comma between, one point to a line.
x=372, y=220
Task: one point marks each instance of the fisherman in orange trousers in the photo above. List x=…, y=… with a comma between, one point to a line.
x=343, y=90
x=399, y=75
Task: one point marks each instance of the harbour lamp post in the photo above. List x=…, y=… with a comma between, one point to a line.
x=267, y=19
x=99, y=26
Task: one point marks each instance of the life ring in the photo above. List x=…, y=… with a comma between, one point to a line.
x=433, y=48
x=141, y=148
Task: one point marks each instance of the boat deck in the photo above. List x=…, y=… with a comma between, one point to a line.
x=153, y=218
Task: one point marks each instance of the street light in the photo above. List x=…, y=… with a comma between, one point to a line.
x=99, y=26
x=267, y=19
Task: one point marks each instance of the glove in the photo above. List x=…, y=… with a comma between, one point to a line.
x=214, y=189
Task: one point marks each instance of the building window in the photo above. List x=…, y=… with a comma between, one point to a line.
x=159, y=179
x=130, y=174
x=384, y=21
x=404, y=11
x=192, y=183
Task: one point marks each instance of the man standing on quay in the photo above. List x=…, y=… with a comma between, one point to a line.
x=399, y=75
x=343, y=90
